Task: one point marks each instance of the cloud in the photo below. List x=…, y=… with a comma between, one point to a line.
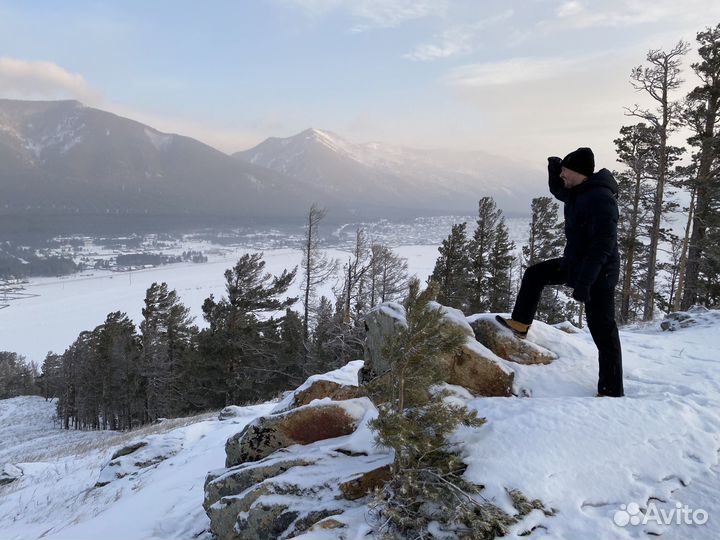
x=513, y=71
x=391, y=13
x=372, y=14
x=615, y=13
x=23, y=79
x=461, y=39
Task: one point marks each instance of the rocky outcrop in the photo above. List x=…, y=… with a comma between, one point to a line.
x=304, y=425
x=693, y=316
x=382, y=321
x=479, y=370
x=287, y=493
x=9, y=474
x=311, y=462
x=134, y=457
x=365, y=483
x=474, y=366
x=504, y=344
x=320, y=389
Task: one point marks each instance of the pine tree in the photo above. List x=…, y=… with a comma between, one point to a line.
x=427, y=485
x=117, y=349
x=291, y=350
x=387, y=275
x=17, y=376
x=167, y=337
x=490, y=254
x=316, y=266
x=545, y=241
x=658, y=81
x=702, y=116
x=637, y=150
x=452, y=269
x=236, y=343
x=353, y=288
x=321, y=354
x=500, y=269
x=51, y=376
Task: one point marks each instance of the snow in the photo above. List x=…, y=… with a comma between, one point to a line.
x=160, y=141
x=586, y=458
x=346, y=375
x=43, y=322
x=57, y=498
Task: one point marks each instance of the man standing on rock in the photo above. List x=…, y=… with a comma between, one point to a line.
x=590, y=263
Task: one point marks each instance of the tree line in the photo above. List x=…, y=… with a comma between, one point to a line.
x=254, y=346
x=656, y=172
x=660, y=269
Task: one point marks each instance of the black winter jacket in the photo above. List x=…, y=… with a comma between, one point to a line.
x=591, y=255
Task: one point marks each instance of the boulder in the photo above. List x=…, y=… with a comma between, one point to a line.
x=9, y=473
x=473, y=367
x=381, y=321
x=321, y=389
x=693, y=316
x=365, y=483
x=232, y=411
x=567, y=327
x=504, y=344
x=269, y=510
x=133, y=458
x=476, y=368
x=285, y=495
x=304, y=425
x=228, y=482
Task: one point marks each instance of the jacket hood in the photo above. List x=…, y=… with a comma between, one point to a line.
x=601, y=178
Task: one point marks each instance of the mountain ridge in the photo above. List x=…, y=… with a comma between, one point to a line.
x=405, y=177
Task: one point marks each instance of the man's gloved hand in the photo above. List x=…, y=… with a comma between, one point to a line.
x=554, y=167
x=581, y=293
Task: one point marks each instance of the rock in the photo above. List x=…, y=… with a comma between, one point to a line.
x=264, y=511
x=682, y=319
x=476, y=368
x=381, y=321
x=567, y=327
x=304, y=425
x=227, y=482
x=286, y=494
x=456, y=317
x=9, y=474
x=133, y=458
x=129, y=449
x=473, y=367
x=365, y=483
x=320, y=389
x=504, y=344
x=328, y=523
x=231, y=411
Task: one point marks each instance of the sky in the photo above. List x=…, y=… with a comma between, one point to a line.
x=523, y=80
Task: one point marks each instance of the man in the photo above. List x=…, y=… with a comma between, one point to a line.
x=590, y=263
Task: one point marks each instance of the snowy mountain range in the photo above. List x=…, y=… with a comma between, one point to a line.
x=61, y=157
x=378, y=174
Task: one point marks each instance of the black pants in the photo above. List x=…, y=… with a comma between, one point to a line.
x=600, y=313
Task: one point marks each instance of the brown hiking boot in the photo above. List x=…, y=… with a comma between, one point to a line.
x=518, y=329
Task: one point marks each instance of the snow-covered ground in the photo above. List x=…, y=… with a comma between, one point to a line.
x=603, y=465
x=61, y=308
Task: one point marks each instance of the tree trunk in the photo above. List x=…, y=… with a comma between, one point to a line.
x=683, y=255
x=702, y=210
x=627, y=279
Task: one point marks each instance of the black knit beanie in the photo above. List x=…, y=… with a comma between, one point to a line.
x=581, y=160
